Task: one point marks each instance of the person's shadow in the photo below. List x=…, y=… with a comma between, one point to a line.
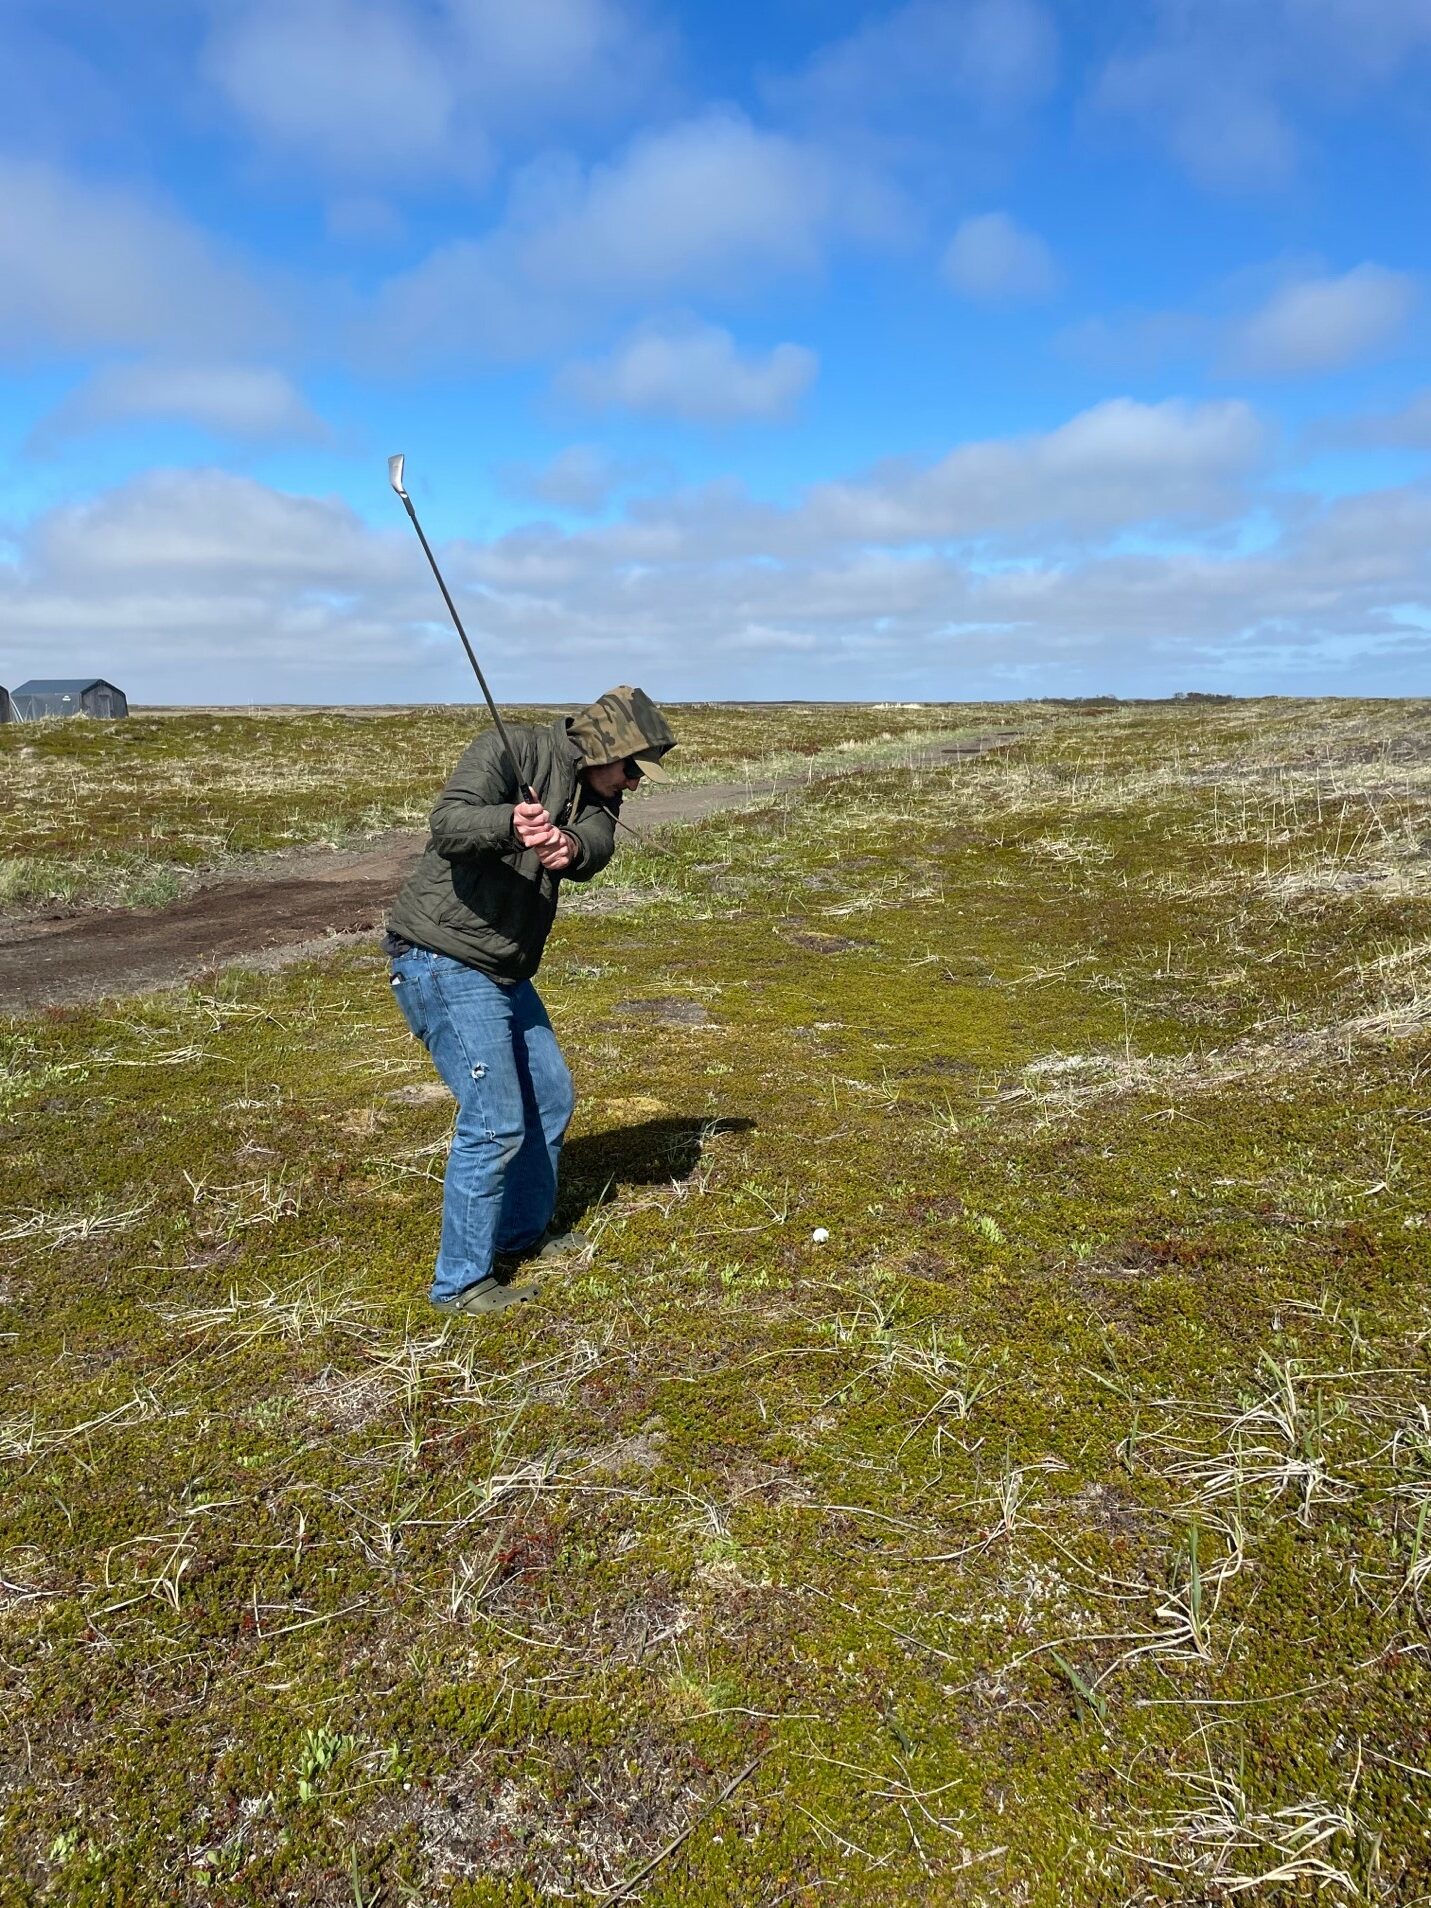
x=595, y=1166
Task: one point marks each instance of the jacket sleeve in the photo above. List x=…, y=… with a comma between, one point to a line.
x=594, y=833
x=473, y=815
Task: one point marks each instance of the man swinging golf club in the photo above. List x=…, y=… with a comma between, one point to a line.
x=526, y=809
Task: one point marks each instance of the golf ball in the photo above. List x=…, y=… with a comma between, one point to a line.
x=820, y=1234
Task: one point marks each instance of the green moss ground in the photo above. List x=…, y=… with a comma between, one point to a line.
x=1058, y=1532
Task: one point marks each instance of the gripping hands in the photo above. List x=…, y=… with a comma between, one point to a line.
x=536, y=830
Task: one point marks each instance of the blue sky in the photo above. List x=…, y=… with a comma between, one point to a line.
x=954, y=348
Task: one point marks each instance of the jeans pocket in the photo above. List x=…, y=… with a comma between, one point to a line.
x=407, y=991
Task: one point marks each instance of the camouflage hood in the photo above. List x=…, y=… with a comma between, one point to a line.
x=623, y=722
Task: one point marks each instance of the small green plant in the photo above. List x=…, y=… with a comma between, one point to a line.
x=1185, y=1612
x=701, y=1693
x=65, y=1847
x=1418, y=1566
x=1086, y=1699
x=322, y=1751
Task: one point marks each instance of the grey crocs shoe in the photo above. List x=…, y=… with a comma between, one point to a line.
x=488, y=1295
x=558, y=1245
x=550, y=1245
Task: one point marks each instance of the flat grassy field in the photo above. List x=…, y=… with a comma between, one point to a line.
x=126, y=813
x=1057, y=1532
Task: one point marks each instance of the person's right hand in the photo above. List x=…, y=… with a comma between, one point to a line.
x=533, y=826
x=535, y=829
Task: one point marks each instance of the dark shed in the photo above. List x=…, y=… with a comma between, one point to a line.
x=46, y=697
x=6, y=712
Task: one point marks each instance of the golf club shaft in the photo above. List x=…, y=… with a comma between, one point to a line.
x=395, y=473
x=471, y=656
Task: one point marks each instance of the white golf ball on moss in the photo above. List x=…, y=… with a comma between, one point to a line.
x=820, y=1235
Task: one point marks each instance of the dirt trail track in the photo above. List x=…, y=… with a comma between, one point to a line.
x=288, y=906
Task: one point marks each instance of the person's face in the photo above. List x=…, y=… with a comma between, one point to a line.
x=612, y=778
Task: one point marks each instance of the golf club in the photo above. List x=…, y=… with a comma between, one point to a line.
x=395, y=467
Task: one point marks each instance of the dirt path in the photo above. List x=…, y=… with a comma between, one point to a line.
x=288, y=906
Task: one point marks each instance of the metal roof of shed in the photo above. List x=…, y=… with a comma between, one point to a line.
x=54, y=686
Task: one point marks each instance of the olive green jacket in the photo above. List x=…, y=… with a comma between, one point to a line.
x=477, y=894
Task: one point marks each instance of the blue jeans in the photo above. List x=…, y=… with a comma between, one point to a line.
x=495, y=1049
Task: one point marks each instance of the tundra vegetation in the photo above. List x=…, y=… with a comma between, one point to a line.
x=131, y=813
x=1058, y=1532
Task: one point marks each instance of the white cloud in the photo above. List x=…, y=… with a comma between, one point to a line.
x=1406, y=428
x=390, y=90
x=691, y=205
x=1310, y=321
x=1319, y=610
x=252, y=402
x=1231, y=89
x=1342, y=44
x=195, y=585
x=1118, y=467
x=178, y=524
x=85, y=265
x=577, y=58
x=988, y=57
x=693, y=372
x=990, y=257
x=1112, y=467
x=358, y=86
x=709, y=205
x=1321, y=324
x=1209, y=110
x=582, y=478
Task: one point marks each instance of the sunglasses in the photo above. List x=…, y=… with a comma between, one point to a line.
x=632, y=768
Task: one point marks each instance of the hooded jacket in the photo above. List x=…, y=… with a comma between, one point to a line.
x=623, y=722
x=477, y=894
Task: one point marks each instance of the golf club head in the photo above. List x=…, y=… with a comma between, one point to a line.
x=395, y=465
